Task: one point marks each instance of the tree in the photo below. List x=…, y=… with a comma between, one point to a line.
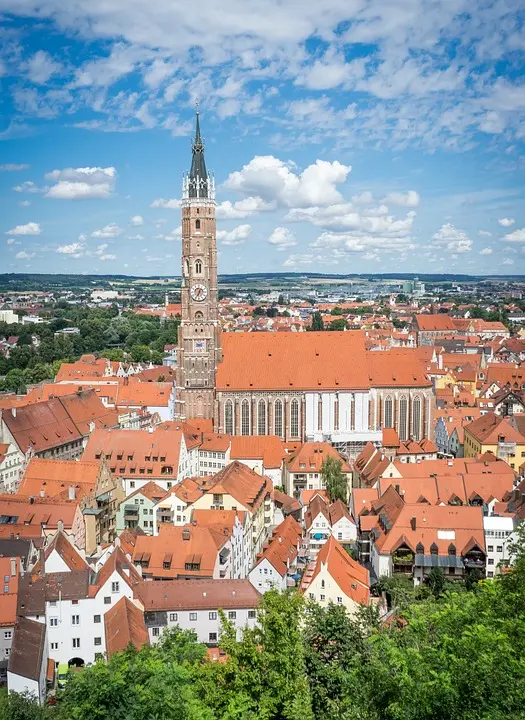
x=336, y=311
x=339, y=324
x=436, y=581
x=333, y=479
x=317, y=321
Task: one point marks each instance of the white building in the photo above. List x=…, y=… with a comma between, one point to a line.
x=498, y=535
x=11, y=467
x=194, y=605
x=278, y=559
x=9, y=317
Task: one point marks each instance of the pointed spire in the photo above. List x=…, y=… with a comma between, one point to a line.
x=198, y=179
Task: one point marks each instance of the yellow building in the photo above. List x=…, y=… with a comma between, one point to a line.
x=504, y=437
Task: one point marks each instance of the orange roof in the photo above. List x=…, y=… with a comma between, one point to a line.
x=318, y=506
x=309, y=457
x=37, y=512
x=215, y=442
x=223, y=520
x=440, y=322
x=41, y=426
x=150, y=490
x=52, y=477
x=362, y=499
x=200, y=425
x=307, y=496
x=281, y=549
x=268, y=448
x=116, y=562
x=245, y=485
x=269, y=361
x=145, y=394
x=351, y=577
x=66, y=550
x=337, y=511
x=491, y=429
x=399, y=367
x=391, y=438
x=85, y=409
x=124, y=625
x=8, y=604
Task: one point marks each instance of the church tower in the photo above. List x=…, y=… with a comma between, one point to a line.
x=199, y=346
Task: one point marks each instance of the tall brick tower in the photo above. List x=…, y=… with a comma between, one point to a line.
x=199, y=347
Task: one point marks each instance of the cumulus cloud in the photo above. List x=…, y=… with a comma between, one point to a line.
x=508, y=261
x=451, y=238
x=108, y=231
x=74, y=250
x=283, y=238
x=518, y=236
x=82, y=183
x=175, y=234
x=23, y=255
x=101, y=253
x=41, y=67
x=31, y=228
x=13, y=167
x=136, y=220
x=242, y=208
x=486, y=251
x=484, y=233
x=27, y=186
x=234, y=237
x=408, y=199
x=173, y=204
x=136, y=237
x=271, y=179
x=506, y=222
x=11, y=241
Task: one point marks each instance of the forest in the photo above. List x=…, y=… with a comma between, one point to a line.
x=452, y=654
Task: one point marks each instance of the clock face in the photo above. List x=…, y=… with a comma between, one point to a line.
x=198, y=292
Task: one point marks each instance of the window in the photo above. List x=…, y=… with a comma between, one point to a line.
x=340, y=600
x=173, y=617
x=76, y=642
x=339, y=535
x=322, y=597
x=132, y=483
x=311, y=596
x=96, y=618
x=320, y=413
x=115, y=587
x=74, y=602
x=294, y=418
x=388, y=421
x=198, y=267
x=212, y=615
x=107, y=601
x=336, y=413
x=53, y=603
x=97, y=641
x=490, y=561
x=261, y=418
x=8, y=634
x=278, y=418
x=155, y=631
x=228, y=417
x=197, y=224
x=245, y=417
x=212, y=637
x=232, y=614
x=7, y=652
x=490, y=574
x=416, y=418
x=499, y=548
x=53, y=646
x=252, y=614
x=75, y=619
x=53, y=622
x=403, y=418
x=193, y=617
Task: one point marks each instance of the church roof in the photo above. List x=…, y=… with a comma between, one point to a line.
x=198, y=186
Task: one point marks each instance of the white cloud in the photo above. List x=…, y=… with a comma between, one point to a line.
x=75, y=250
x=242, y=208
x=136, y=220
x=173, y=204
x=24, y=203
x=23, y=255
x=271, y=179
x=136, y=237
x=330, y=72
x=486, y=251
x=13, y=167
x=11, y=241
x=175, y=234
x=518, y=236
x=31, y=228
x=27, y=186
x=364, y=198
x=484, y=233
x=508, y=261
x=283, y=238
x=408, y=199
x=453, y=239
x=234, y=237
x=506, y=222
x=108, y=231
x=41, y=67
x=82, y=183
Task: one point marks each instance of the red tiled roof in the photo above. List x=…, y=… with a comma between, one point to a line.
x=268, y=448
x=351, y=577
x=309, y=457
x=124, y=625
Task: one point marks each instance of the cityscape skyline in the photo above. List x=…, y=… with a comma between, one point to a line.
x=360, y=139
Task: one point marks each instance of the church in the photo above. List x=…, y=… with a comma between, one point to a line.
x=299, y=386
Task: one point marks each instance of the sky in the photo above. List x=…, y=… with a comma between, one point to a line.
x=344, y=135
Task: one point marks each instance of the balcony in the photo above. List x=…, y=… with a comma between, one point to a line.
x=131, y=512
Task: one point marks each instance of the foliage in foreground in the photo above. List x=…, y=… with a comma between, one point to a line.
x=461, y=656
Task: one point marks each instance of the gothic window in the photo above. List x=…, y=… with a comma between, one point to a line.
x=245, y=418
x=198, y=267
x=294, y=418
x=278, y=418
x=403, y=419
x=228, y=417
x=261, y=418
x=389, y=412
x=336, y=413
x=352, y=413
x=197, y=224
x=416, y=418
x=320, y=413
x=198, y=315
x=200, y=406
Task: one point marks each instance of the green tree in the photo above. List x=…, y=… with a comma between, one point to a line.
x=140, y=353
x=339, y=324
x=22, y=706
x=333, y=479
x=317, y=321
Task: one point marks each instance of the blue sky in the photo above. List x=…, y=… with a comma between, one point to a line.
x=345, y=136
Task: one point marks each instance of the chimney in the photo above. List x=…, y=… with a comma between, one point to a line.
x=413, y=523
x=13, y=567
x=60, y=526
x=203, y=594
x=397, y=489
x=186, y=534
x=233, y=593
x=13, y=412
x=42, y=493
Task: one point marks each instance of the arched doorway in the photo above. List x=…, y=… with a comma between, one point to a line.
x=76, y=662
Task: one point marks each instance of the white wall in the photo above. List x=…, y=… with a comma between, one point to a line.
x=265, y=577
x=498, y=536
x=207, y=622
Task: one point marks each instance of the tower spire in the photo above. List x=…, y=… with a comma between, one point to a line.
x=198, y=179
